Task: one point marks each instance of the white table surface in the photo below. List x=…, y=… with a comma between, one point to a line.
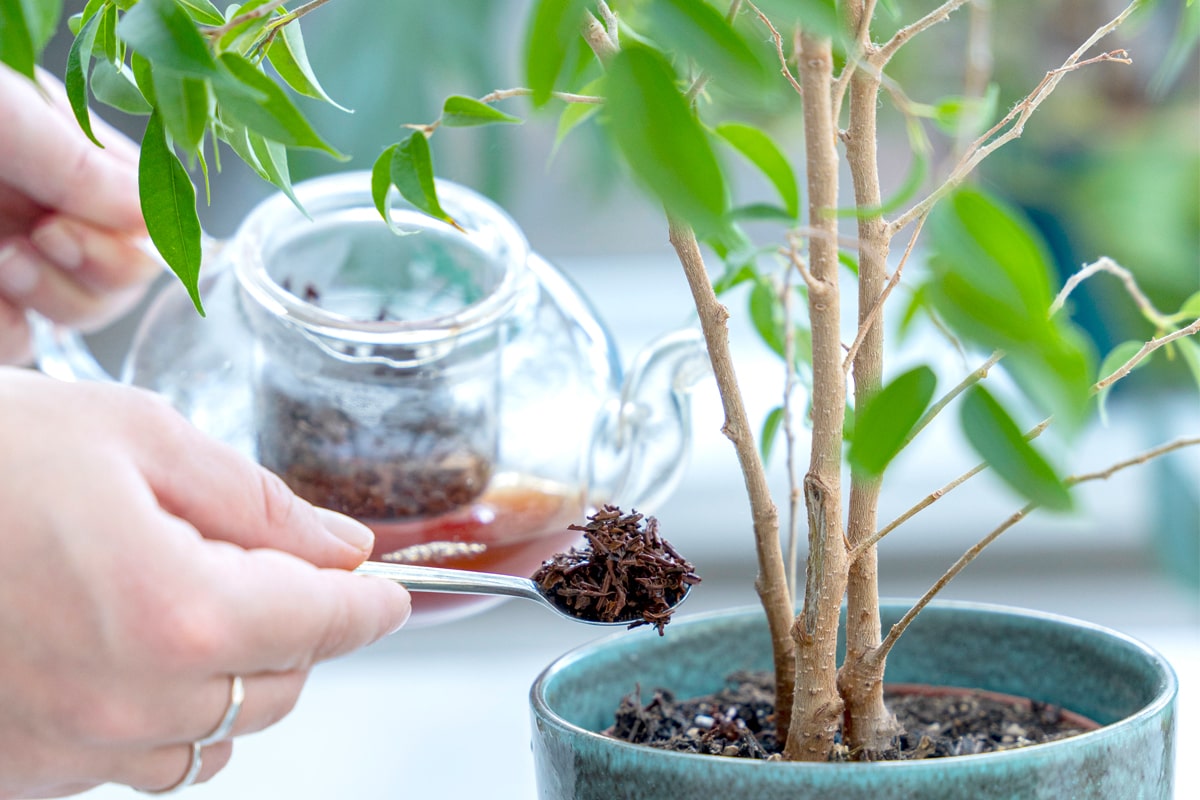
x=393, y=721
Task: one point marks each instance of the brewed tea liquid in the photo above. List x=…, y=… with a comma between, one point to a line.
x=511, y=528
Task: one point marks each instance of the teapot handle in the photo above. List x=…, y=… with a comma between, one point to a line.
x=642, y=440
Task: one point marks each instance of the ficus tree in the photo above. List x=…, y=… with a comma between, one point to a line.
x=690, y=94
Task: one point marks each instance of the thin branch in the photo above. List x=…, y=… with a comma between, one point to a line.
x=795, y=493
x=1146, y=349
x=973, y=553
x=863, y=49
x=938, y=494
x=975, y=377
x=1106, y=264
x=611, y=26
x=298, y=12
x=598, y=37
x=784, y=69
x=1015, y=120
x=876, y=309
x=217, y=31
x=1141, y=458
x=1033, y=433
x=505, y=94
x=902, y=36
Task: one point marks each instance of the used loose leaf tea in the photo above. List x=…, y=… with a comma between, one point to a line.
x=625, y=573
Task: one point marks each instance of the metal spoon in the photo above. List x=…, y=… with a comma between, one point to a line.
x=461, y=581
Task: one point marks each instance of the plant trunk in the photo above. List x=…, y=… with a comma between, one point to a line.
x=868, y=725
x=817, y=711
x=772, y=578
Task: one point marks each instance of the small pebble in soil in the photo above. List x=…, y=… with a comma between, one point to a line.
x=625, y=572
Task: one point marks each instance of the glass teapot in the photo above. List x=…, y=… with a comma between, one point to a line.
x=447, y=387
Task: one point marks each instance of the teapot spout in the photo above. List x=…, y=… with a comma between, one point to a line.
x=642, y=440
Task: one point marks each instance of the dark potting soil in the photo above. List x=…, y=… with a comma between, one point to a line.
x=625, y=572
x=738, y=721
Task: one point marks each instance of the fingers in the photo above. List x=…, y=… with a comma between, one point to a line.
x=255, y=508
x=29, y=280
x=163, y=767
x=284, y=614
x=97, y=258
x=43, y=153
x=15, y=346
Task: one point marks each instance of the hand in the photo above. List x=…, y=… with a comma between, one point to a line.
x=141, y=566
x=69, y=217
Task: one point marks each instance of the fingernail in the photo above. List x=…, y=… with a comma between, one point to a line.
x=18, y=273
x=404, y=621
x=350, y=531
x=58, y=244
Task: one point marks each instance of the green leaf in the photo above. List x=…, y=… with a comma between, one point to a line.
x=290, y=59
x=465, y=112
x=1190, y=309
x=16, y=39
x=1111, y=363
x=106, y=35
x=79, y=60
x=700, y=31
x=967, y=115
x=238, y=138
x=165, y=35
x=766, y=313
x=41, y=17
x=143, y=76
x=734, y=275
x=991, y=279
x=257, y=102
x=1189, y=351
x=183, y=104
x=996, y=437
x=770, y=322
x=849, y=261
x=411, y=171
x=887, y=419
x=272, y=157
x=668, y=150
x=763, y=153
x=769, y=431
x=203, y=11
x=761, y=212
x=242, y=36
x=169, y=206
x=576, y=113
x=381, y=180
x=553, y=26
x=116, y=88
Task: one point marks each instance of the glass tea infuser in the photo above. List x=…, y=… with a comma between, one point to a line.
x=449, y=388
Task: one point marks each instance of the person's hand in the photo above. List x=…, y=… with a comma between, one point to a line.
x=70, y=221
x=142, y=565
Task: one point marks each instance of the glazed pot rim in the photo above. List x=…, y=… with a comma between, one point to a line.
x=1166, y=695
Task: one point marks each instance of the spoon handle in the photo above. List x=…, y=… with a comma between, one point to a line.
x=452, y=581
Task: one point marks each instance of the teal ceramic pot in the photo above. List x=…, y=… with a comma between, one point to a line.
x=1121, y=684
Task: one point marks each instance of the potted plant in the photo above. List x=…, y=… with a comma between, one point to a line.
x=987, y=280
x=984, y=278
